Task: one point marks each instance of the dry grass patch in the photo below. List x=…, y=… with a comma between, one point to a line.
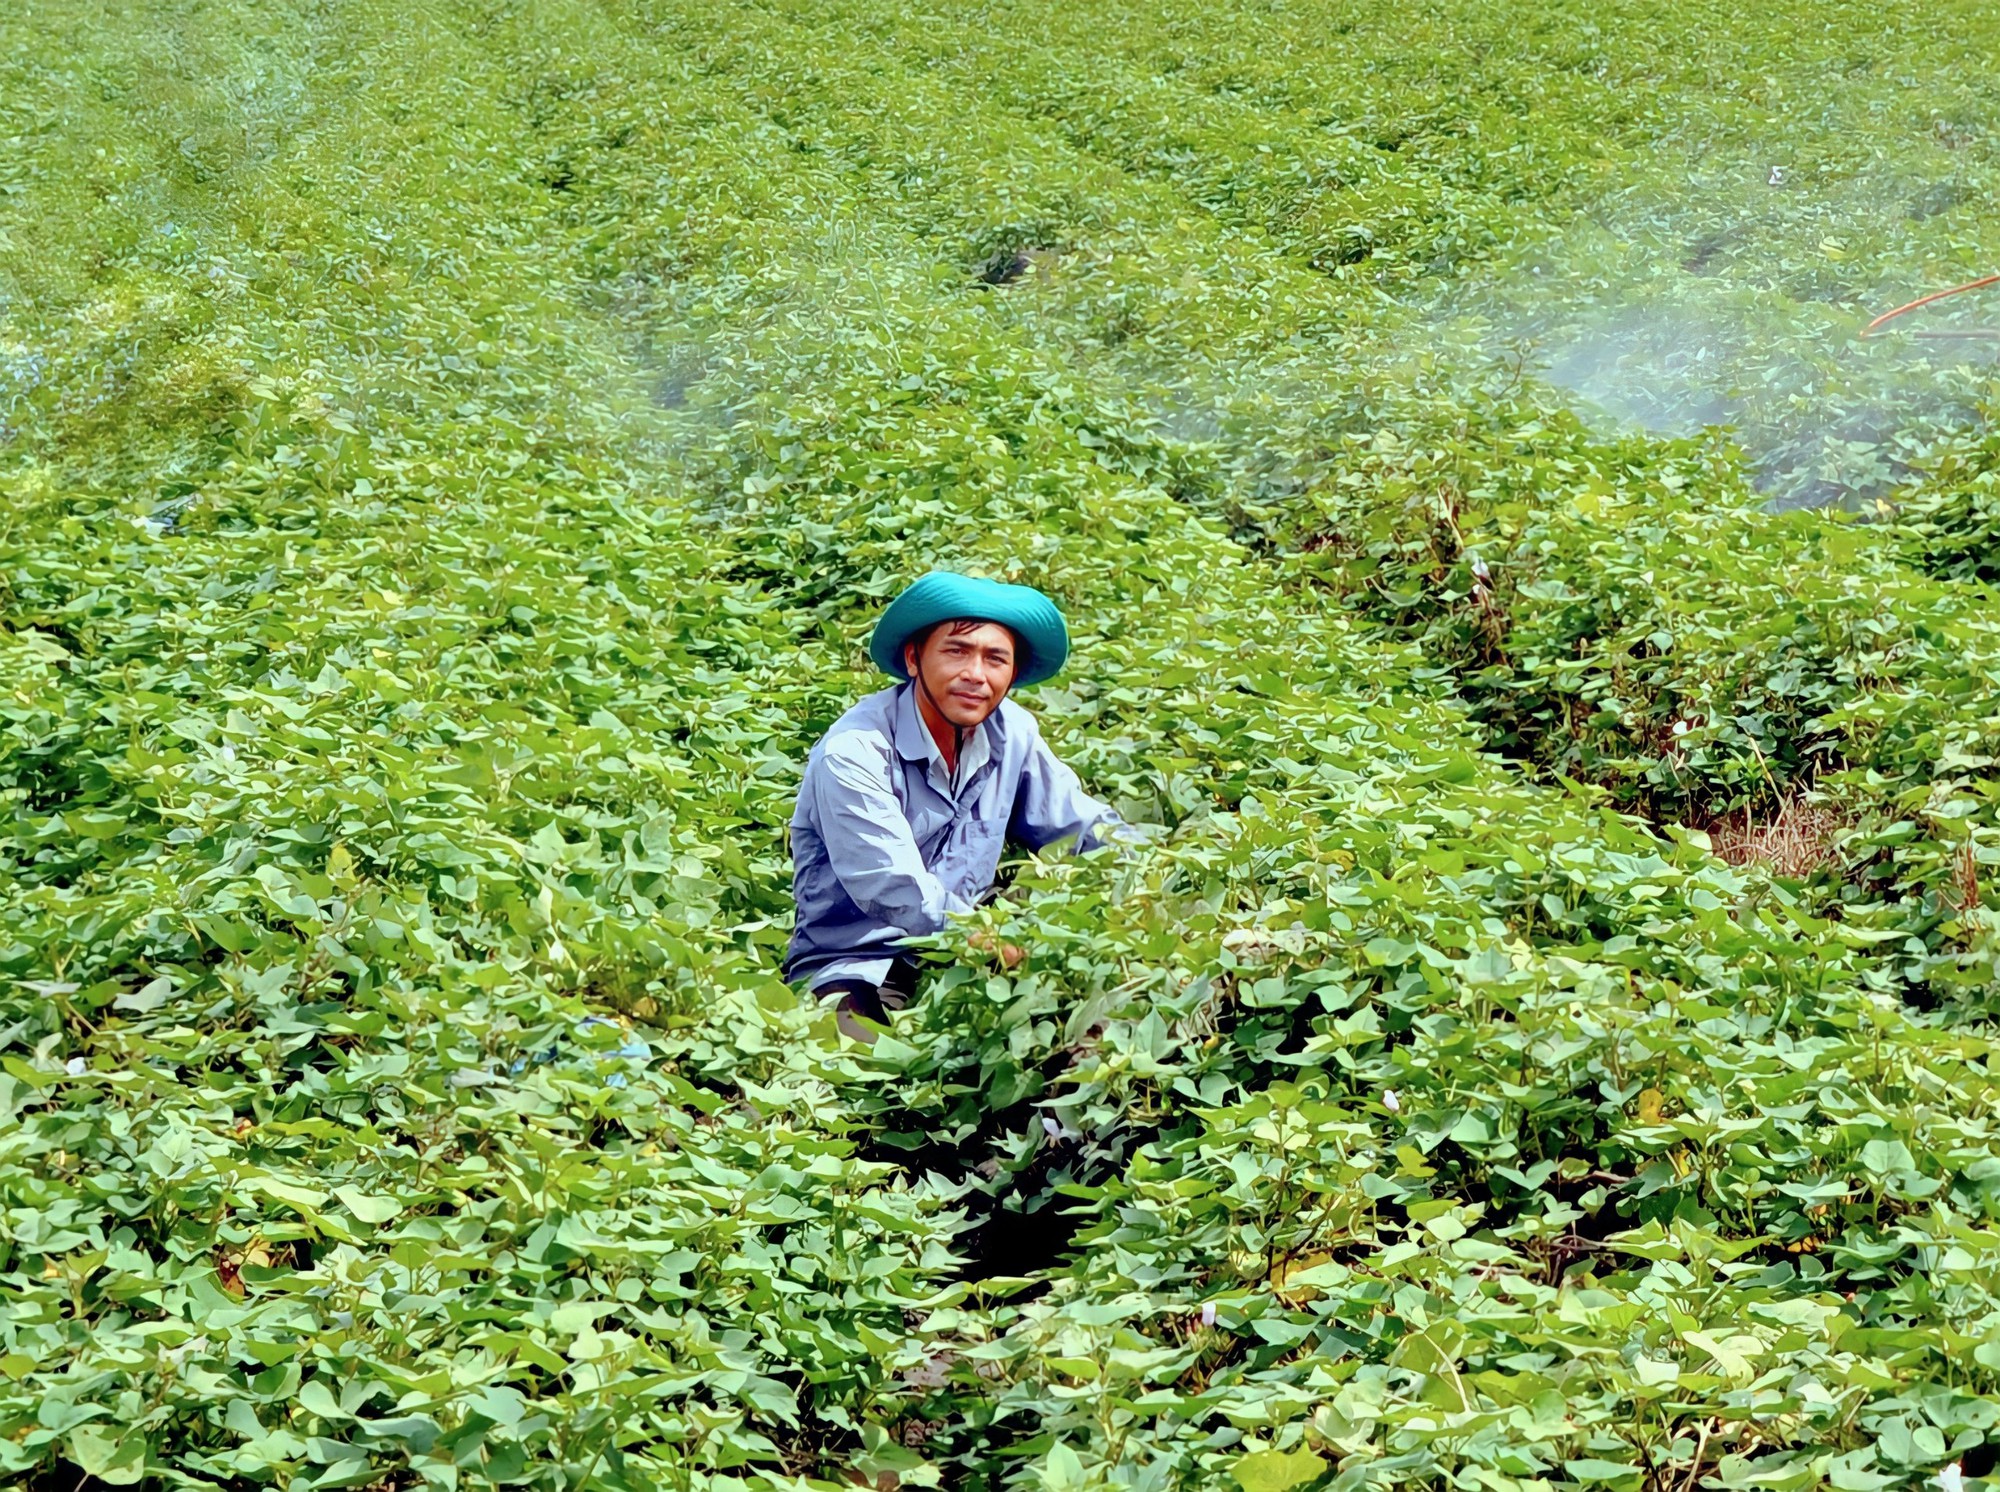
x=1801, y=839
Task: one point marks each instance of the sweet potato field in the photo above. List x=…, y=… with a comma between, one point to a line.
x=451, y=454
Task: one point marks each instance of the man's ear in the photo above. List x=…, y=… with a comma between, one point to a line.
x=910, y=659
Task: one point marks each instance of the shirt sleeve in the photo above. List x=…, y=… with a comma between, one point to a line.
x=1051, y=805
x=869, y=842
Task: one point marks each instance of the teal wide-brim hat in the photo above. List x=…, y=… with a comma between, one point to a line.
x=941, y=596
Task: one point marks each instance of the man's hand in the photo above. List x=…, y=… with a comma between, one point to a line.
x=1009, y=954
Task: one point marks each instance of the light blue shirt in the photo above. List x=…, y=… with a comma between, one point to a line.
x=886, y=844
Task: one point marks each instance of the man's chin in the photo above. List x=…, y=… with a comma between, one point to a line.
x=966, y=717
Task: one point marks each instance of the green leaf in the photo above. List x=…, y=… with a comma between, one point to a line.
x=1061, y=1470
x=371, y=1210
x=1849, y=1472
x=1277, y=1471
x=304, y=1199
x=1592, y=1471
x=118, y=1461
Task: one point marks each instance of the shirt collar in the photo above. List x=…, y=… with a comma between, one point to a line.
x=914, y=741
x=913, y=737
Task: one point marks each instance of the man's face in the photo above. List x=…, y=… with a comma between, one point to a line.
x=966, y=670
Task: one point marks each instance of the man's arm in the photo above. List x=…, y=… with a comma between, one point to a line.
x=1050, y=805
x=869, y=842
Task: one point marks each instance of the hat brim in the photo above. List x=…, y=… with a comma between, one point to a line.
x=1039, y=631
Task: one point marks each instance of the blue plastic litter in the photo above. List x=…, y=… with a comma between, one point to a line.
x=633, y=1052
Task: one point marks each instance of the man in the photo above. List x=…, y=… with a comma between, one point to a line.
x=909, y=798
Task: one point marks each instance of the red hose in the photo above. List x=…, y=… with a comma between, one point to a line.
x=1889, y=316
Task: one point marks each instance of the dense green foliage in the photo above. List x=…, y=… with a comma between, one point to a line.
x=451, y=456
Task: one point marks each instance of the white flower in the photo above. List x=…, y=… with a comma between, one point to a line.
x=1053, y=1129
x=1951, y=1479
x=75, y=1067
x=1390, y=1102
x=1680, y=727
x=1208, y=1314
